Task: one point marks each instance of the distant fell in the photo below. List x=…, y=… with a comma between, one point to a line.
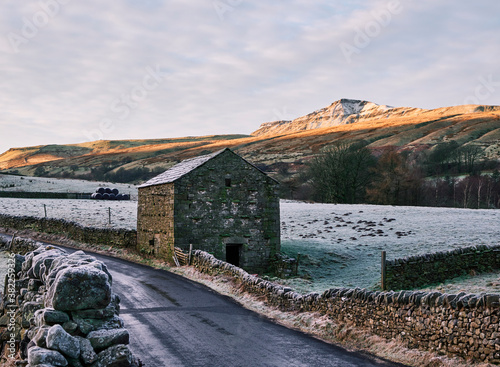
x=29, y=156
x=350, y=111
x=282, y=148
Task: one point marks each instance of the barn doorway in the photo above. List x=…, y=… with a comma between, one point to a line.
x=233, y=254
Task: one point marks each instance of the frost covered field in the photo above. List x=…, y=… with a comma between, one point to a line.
x=90, y=213
x=340, y=245
x=43, y=184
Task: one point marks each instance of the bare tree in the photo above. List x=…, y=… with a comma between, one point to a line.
x=396, y=180
x=342, y=173
x=480, y=183
x=470, y=155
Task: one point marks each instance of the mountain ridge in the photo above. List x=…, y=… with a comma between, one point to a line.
x=283, y=146
x=348, y=111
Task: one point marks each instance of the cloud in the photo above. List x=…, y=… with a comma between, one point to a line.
x=228, y=69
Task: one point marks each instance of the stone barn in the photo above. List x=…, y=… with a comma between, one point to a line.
x=219, y=203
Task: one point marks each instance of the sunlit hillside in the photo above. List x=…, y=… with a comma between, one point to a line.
x=281, y=147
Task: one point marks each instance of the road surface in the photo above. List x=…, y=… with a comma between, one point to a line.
x=176, y=322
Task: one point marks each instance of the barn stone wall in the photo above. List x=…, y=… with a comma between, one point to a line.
x=155, y=220
x=225, y=201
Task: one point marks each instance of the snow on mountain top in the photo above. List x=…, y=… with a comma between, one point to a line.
x=345, y=108
x=343, y=111
x=353, y=106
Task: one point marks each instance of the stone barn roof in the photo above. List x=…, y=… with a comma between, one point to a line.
x=179, y=170
x=186, y=166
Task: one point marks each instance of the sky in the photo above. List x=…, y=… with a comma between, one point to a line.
x=77, y=71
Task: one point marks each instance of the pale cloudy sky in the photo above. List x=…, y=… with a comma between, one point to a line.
x=74, y=71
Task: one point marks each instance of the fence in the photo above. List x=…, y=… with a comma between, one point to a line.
x=90, y=213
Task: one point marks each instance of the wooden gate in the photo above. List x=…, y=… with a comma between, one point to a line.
x=182, y=258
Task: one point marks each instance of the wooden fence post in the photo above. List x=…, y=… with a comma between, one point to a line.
x=45, y=210
x=9, y=247
x=297, y=264
x=109, y=215
x=189, y=255
x=176, y=261
x=383, y=277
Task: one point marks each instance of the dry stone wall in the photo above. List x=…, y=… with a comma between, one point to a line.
x=283, y=266
x=418, y=271
x=58, y=309
x=464, y=325
x=44, y=195
x=72, y=230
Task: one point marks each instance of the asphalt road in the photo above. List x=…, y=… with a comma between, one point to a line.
x=176, y=322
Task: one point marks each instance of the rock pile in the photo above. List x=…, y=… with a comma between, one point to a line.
x=63, y=311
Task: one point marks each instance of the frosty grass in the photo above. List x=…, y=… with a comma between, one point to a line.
x=339, y=245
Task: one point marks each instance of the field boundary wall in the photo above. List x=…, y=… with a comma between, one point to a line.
x=44, y=195
x=103, y=236
x=463, y=325
x=418, y=271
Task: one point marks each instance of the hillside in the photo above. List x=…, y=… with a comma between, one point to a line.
x=21, y=157
x=282, y=147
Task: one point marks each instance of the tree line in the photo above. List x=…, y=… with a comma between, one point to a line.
x=448, y=175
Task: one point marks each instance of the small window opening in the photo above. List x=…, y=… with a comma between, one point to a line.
x=228, y=182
